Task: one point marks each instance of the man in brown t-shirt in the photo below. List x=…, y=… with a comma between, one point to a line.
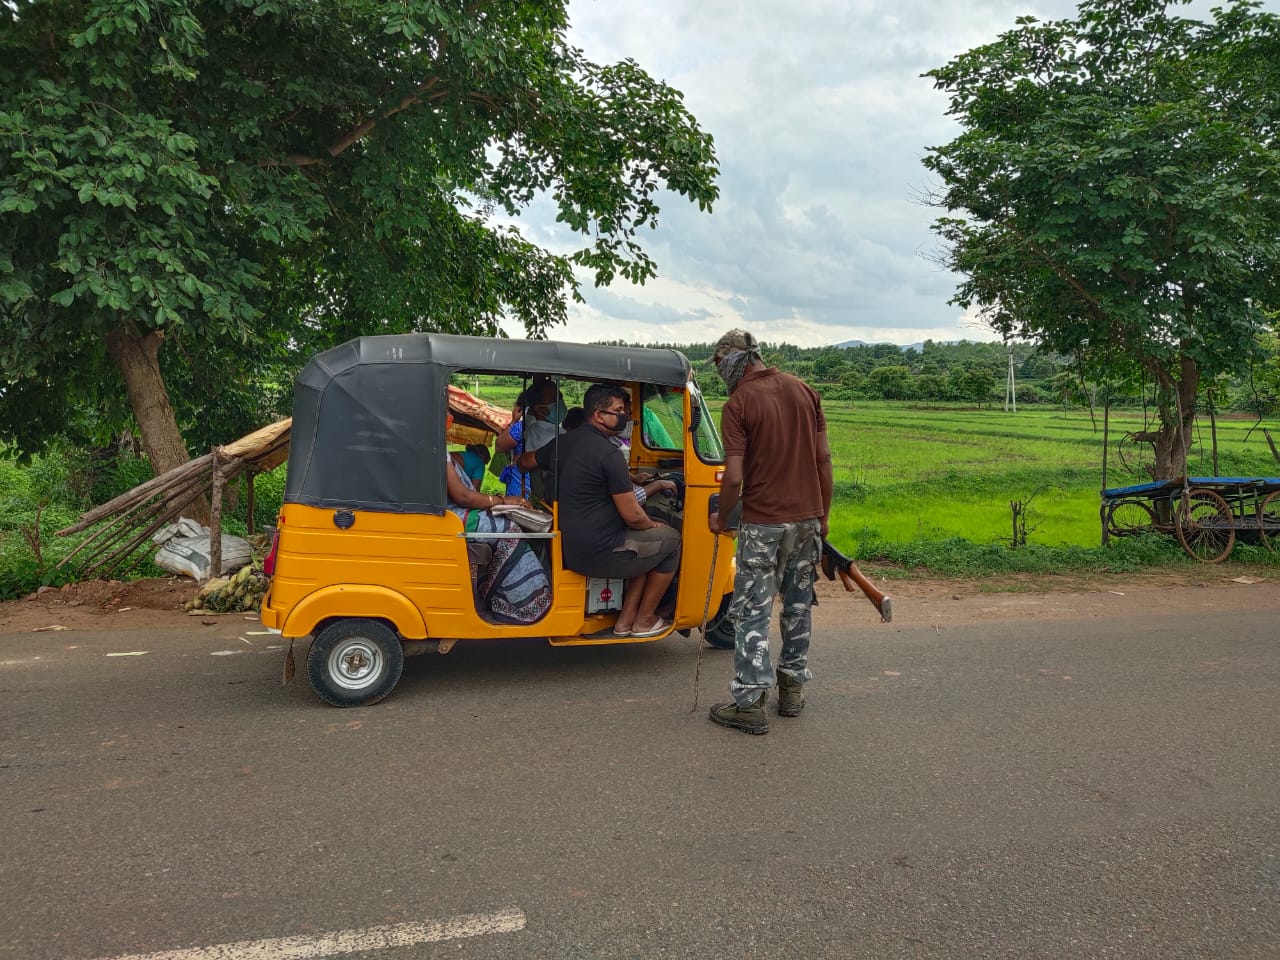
x=778, y=463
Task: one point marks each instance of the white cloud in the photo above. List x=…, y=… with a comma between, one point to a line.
x=820, y=118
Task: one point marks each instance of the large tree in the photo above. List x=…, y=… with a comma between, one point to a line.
x=1115, y=193
x=191, y=189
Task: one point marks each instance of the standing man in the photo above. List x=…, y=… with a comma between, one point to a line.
x=778, y=463
x=605, y=532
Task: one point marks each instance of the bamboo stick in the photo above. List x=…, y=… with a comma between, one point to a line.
x=215, y=518
x=251, y=476
x=139, y=493
x=135, y=516
x=155, y=525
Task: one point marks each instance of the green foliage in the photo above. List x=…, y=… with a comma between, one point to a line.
x=117, y=475
x=36, y=500
x=268, y=496
x=963, y=558
x=258, y=181
x=1259, y=392
x=1114, y=192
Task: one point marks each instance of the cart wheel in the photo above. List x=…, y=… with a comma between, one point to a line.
x=1127, y=517
x=354, y=662
x=1269, y=521
x=1206, y=526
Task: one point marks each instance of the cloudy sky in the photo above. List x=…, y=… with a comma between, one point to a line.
x=820, y=118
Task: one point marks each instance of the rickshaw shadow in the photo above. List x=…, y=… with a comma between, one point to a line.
x=519, y=662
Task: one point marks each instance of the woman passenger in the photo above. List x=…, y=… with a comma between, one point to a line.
x=513, y=588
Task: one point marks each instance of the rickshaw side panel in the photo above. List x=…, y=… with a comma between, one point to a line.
x=698, y=548
x=355, y=600
x=409, y=569
x=322, y=571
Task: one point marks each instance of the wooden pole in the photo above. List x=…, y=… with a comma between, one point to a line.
x=1271, y=443
x=215, y=519
x=1213, y=431
x=190, y=489
x=173, y=508
x=157, y=485
x=1106, y=433
x=253, y=527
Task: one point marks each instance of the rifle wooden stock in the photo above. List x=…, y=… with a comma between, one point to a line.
x=851, y=576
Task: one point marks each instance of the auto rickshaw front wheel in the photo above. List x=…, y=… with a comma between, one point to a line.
x=719, y=632
x=354, y=662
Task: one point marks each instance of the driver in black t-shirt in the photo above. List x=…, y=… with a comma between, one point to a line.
x=605, y=532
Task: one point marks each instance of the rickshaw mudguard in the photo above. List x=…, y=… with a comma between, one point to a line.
x=355, y=600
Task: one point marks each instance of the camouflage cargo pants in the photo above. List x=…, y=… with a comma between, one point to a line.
x=772, y=558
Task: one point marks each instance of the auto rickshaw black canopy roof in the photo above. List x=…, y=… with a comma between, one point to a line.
x=369, y=416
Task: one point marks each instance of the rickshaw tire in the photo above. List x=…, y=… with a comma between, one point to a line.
x=354, y=662
x=719, y=632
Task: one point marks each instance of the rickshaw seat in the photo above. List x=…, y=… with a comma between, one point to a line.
x=479, y=556
x=479, y=553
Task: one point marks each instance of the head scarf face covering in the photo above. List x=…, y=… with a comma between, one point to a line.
x=733, y=353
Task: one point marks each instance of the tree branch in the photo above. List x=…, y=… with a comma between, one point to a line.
x=361, y=130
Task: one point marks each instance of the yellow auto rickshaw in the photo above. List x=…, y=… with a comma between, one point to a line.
x=368, y=562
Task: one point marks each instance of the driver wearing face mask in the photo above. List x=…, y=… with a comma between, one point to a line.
x=605, y=532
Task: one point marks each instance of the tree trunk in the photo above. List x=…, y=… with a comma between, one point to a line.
x=1177, y=406
x=138, y=359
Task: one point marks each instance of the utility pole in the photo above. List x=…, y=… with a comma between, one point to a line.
x=1010, y=387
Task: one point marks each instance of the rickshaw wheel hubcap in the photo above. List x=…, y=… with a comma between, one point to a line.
x=355, y=664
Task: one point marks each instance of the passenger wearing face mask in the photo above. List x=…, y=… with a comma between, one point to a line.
x=643, y=485
x=605, y=532
x=530, y=429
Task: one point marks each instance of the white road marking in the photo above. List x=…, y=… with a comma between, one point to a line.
x=131, y=653
x=225, y=653
x=349, y=941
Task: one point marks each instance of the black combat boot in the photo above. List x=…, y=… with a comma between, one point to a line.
x=750, y=719
x=790, y=696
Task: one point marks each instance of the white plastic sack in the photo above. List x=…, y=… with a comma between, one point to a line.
x=182, y=527
x=190, y=555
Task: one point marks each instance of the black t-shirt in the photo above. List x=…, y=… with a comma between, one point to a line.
x=590, y=472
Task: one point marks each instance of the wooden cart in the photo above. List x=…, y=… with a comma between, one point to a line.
x=1207, y=514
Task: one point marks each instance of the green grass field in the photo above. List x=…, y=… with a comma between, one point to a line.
x=905, y=474
x=933, y=486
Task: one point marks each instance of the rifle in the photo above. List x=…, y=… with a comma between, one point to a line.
x=834, y=562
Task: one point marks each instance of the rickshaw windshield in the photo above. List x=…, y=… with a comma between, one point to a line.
x=662, y=417
x=706, y=439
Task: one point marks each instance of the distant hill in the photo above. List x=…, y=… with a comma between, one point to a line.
x=863, y=343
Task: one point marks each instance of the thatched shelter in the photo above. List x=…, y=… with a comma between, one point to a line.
x=124, y=524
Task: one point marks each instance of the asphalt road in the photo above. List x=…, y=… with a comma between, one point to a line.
x=1032, y=788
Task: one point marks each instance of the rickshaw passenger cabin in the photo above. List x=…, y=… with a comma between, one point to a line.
x=368, y=561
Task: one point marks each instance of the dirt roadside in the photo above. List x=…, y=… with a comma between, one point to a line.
x=159, y=603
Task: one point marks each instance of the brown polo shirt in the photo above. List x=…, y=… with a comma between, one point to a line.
x=772, y=421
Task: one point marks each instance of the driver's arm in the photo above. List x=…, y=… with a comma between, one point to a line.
x=659, y=486
x=629, y=509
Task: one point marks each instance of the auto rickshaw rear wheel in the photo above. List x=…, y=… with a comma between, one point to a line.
x=354, y=662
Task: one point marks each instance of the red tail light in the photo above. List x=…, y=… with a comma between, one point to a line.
x=269, y=562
